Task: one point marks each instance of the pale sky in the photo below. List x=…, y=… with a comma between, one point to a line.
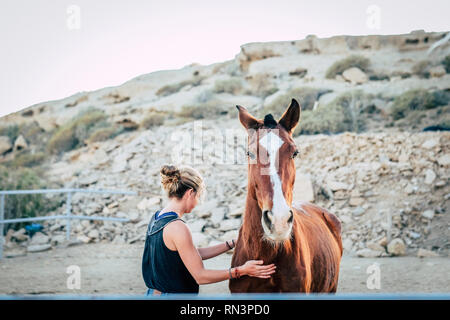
x=47, y=53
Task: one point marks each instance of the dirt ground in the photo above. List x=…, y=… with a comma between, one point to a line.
x=116, y=269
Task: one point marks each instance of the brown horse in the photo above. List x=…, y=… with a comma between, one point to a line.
x=302, y=239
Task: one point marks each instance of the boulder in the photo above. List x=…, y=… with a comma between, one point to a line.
x=5, y=145
x=199, y=239
x=444, y=160
x=424, y=253
x=303, y=188
x=148, y=203
x=437, y=71
x=355, y=75
x=368, y=253
x=396, y=247
x=20, y=143
x=430, y=143
x=335, y=185
x=230, y=224
x=20, y=235
x=39, y=238
x=429, y=176
x=39, y=247
x=197, y=225
x=428, y=214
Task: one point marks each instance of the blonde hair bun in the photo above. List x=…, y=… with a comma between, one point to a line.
x=170, y=174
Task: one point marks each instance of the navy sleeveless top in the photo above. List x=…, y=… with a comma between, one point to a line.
x=162, y=268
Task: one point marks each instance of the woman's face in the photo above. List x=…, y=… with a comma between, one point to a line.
x=191, y=200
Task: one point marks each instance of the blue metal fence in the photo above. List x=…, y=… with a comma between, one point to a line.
x=68, y=216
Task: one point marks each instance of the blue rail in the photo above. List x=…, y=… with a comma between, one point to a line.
x=68, y=216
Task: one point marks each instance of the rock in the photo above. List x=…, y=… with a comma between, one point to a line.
x=396, y=247
x=18, y=252
x=437, y=71
x=5, y=145
x=205, y=210
x=20, y=235
x=197, y=225
x=444, y=160
x=217, y=216
x=375, y=247
x=229, y=235
x=39, y=247
x=148, y=203
x=93, y=234
x=230, y=224
x=303, y=188
x=368, y=253
x=20, y=143
x=119, y=239
x=39, y=238
x=199, y=239
x=355, y=75
x=383, y=242
x=430, y=143
x=134, y=216
x=409, y=189
x=428, y=214
x=429, y=176
x=423, y=253
x=356, y=201
x=335, y=185
x=358, y=211
x=88, y=180
x=140, y=237
x=347, y=245
x=236, y=213
x=84, y=239
x=58, y=239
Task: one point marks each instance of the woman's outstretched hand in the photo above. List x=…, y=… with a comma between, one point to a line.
x=255, y=268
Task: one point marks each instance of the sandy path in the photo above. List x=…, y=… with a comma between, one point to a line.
x=116, y=269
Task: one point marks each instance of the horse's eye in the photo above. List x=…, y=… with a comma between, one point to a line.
x=294, y=154
x=251, y=155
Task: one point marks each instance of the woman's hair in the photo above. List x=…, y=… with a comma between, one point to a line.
x=177, y=180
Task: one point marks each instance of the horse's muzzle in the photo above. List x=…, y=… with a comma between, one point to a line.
x=277, y=227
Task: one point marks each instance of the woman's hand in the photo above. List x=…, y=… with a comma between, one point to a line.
x=254, y=268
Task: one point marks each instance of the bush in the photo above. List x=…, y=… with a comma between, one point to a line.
x=173, y=88
x=446, y=63
x=26, y=159
x=153, y=120
x=421, y=69
x=24, y=206
x=74, y=133
x=232, y=85
x=418, y=99
x=210, y=109
x=261, y=85
x=304, y=95
x=352, y=61
x=102, y=134
x=11, y=131
x=341, y=114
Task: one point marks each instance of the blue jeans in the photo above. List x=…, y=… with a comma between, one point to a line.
x=150, y=292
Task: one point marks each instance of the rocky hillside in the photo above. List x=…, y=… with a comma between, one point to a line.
x=363, y=152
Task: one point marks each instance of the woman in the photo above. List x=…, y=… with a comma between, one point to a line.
x=171, y=263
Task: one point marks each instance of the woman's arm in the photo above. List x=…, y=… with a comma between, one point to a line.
x=214, y=251
x=181, y=237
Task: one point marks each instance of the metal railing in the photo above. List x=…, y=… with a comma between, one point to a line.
x=68, y=216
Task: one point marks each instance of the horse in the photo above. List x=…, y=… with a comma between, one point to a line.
x=302, y=239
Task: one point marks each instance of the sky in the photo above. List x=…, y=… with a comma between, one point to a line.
x=51, y=49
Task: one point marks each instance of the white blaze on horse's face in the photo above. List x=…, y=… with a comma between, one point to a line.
x=277, y=222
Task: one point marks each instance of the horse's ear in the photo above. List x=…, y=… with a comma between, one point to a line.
x=291, y=116
x=247, y=120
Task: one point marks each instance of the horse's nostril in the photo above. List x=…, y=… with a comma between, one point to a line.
x=267, y=218
x=291, y=217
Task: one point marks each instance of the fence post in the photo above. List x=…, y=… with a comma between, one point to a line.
x=2, y=217
x=68, y=214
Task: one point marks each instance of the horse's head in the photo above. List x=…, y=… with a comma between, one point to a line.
x=271, y=153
